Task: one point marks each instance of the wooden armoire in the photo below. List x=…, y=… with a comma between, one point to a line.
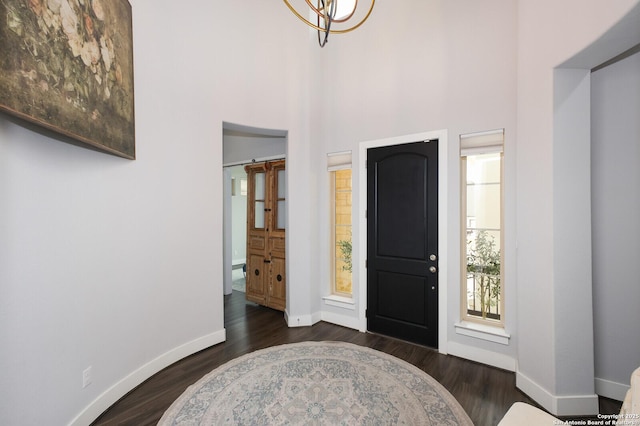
x=266, y=218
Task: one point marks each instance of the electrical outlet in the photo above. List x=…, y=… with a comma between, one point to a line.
x=86, y=377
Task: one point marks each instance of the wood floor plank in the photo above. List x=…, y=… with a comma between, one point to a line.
x=486, y=393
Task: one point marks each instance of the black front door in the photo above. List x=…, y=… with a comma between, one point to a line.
x=402, y=234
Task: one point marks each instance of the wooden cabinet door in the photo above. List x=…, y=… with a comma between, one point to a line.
x=266, y=219
x=277, y=291
x=256, y=233
x=255, y=279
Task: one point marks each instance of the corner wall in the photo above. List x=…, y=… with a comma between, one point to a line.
x=615, y=184
x=117, y=264
x=554, y=35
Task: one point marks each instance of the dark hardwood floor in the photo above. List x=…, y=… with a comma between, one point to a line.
x=486, y=393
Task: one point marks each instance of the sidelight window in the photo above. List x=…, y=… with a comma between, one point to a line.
x=482, y=255
x=341, y=224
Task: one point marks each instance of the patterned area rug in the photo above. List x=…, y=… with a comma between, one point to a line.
x=314, y=383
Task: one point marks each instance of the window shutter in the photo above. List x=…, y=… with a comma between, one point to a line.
x=338, y=160
x=482, y=143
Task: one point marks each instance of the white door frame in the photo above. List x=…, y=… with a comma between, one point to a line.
x=443, y=186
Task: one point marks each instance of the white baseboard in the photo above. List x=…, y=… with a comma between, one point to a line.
x=300, y=320
x=482, y=356
x=235, y=263
x=121, y=388
x=558, y=405
x=330, y=317
x=577, y=405
x=341, y=320
x=612, y=390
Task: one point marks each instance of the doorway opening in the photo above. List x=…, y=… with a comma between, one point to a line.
x=242, y=145
x=238, y=227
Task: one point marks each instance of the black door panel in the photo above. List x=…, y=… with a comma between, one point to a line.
x=402, y=226
x=401, y=297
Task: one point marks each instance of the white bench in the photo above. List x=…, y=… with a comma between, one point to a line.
x=522, y=414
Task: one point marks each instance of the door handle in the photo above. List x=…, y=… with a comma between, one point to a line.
x=433, y=269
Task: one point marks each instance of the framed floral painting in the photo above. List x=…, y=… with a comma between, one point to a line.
x=67, y=66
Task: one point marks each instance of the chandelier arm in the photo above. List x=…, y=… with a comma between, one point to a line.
x=327, y=20
x=316, y=27
x=302, y=18
x=315, y=9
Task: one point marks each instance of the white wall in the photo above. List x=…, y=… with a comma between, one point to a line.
x=470, y=67
x=573, y=332
x=615, y=183
x=424, y=67
x=550, y=329
x=117, y=264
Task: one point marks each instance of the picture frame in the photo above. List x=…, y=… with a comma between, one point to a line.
x=67, y=67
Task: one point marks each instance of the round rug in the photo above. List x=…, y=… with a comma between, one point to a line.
x=308, y=383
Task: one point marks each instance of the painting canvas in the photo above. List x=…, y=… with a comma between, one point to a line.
x=67, y=66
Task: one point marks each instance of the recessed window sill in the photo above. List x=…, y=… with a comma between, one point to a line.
x=340, y=302
x=483, y=332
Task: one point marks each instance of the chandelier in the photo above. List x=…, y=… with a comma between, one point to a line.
x=330, y=12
